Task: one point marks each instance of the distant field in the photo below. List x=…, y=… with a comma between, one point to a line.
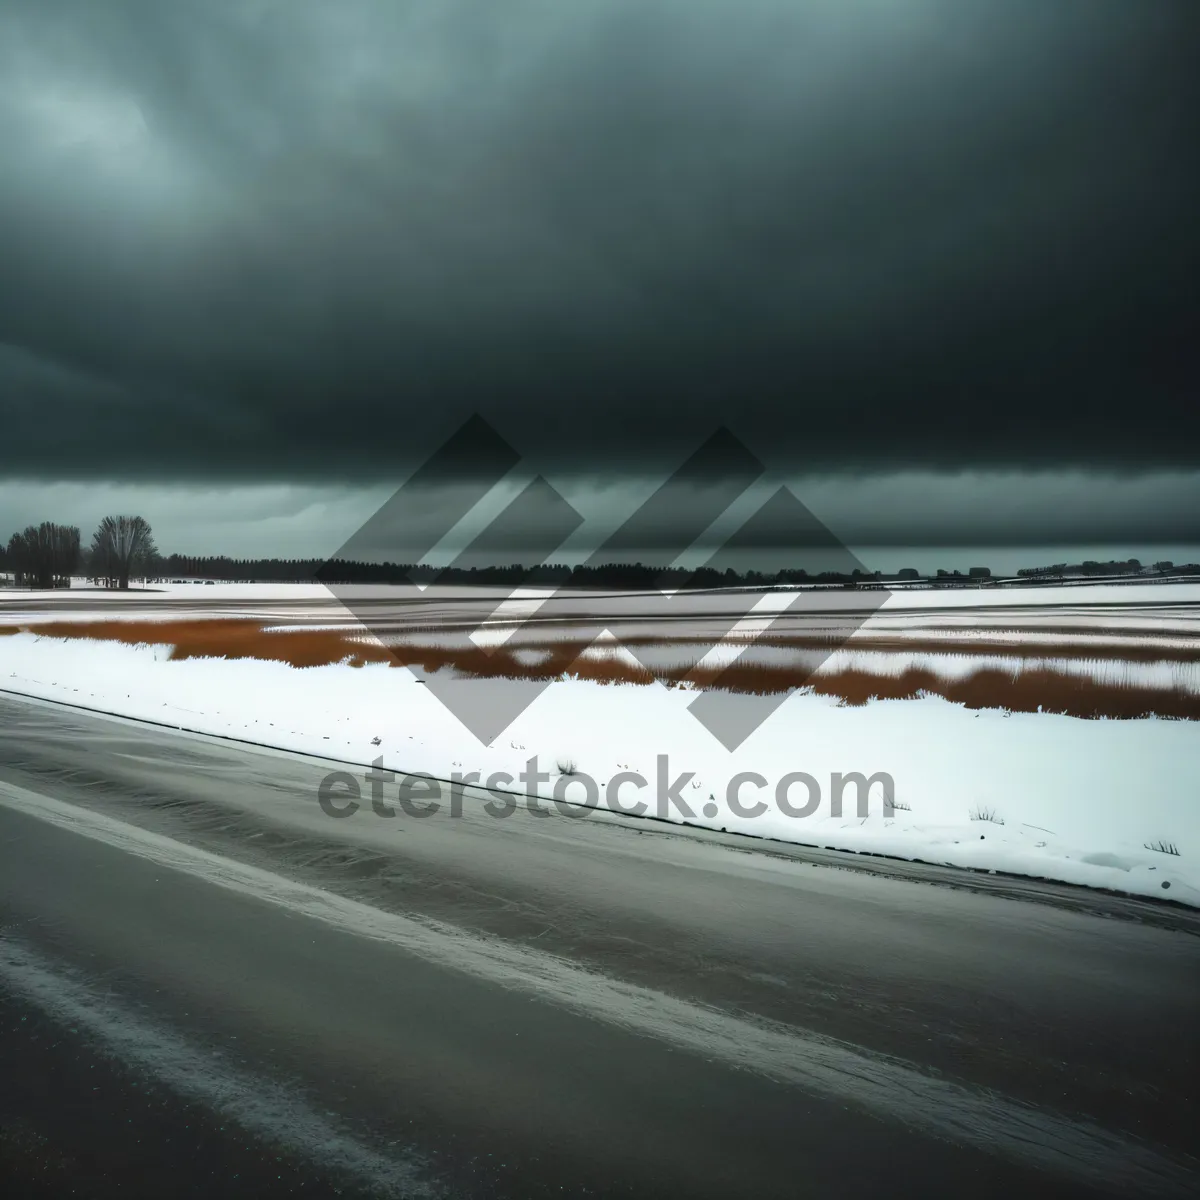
x=1100, y=651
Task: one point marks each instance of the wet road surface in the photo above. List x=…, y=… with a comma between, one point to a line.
x=275, y=1002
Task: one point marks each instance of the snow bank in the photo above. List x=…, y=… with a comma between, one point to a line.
x=1069, y=799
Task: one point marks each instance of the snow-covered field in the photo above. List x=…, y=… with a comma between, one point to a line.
x=902, y=596
x=1052, y=796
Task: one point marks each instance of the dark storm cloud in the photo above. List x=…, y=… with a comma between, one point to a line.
x=306, y=240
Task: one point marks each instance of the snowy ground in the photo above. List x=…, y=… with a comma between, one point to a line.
x=1071, y=596
x=1068, y=799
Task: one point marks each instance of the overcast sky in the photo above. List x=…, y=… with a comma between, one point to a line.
x=934, y=261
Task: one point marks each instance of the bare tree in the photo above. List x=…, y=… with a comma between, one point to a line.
x=63, y=551
x=121, y=546
x=147, y=561
x=20, y=557
x=45, y=555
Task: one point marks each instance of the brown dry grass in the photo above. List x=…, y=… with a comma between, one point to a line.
x=1026, y=691
x=1049, y=691
x=1116, y=647
x=224, y=639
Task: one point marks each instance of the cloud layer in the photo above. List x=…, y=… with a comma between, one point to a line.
x=303, y=241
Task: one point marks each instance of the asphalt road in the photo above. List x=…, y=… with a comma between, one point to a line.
x=208, y=986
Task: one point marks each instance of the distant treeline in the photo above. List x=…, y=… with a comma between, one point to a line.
x=1129, y=566
x=631, y=576
x=122, y=548
x=620, y=576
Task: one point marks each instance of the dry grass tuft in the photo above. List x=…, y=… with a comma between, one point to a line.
x=983, y=812
x=1163, y=847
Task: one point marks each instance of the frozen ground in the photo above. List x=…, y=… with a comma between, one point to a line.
x=1070, y=596
x=1037, y=794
